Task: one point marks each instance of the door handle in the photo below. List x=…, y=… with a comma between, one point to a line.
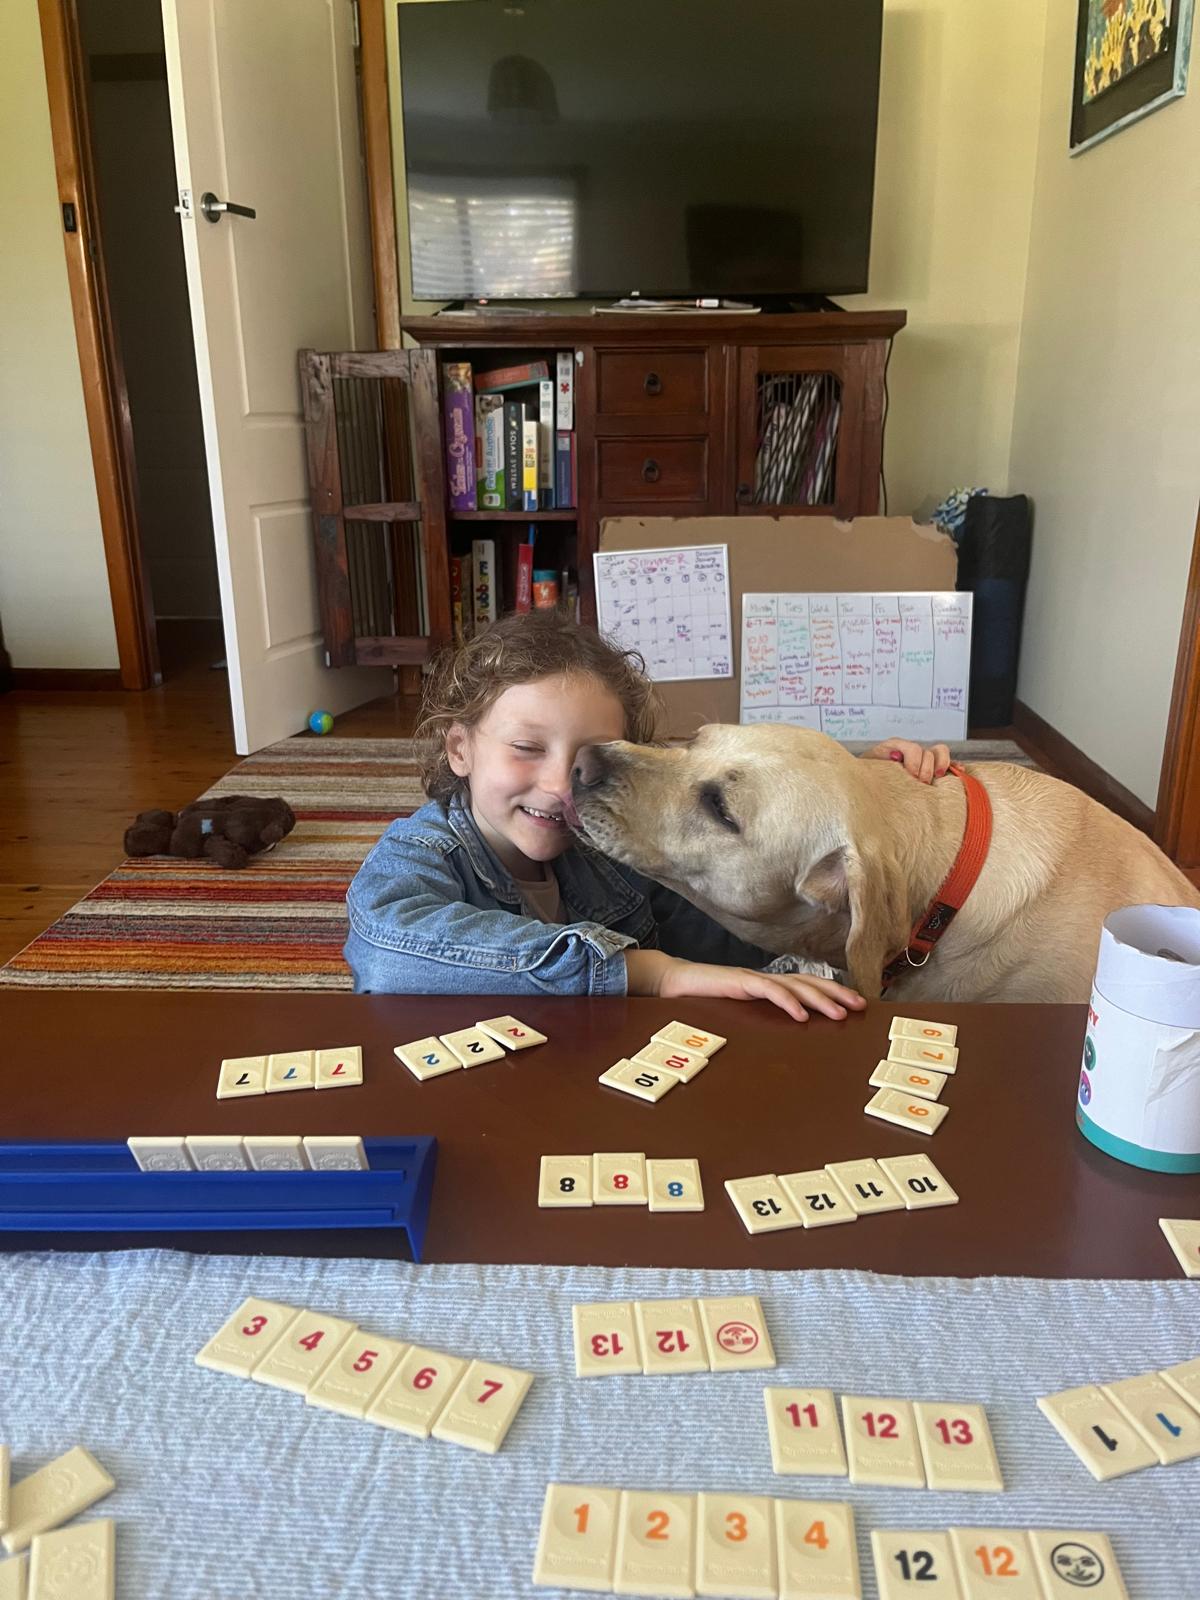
x=215, y=209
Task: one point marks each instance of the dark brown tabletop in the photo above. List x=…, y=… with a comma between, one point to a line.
x=1036, y=1198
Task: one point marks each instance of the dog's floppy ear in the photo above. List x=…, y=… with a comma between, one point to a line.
x=873, y=896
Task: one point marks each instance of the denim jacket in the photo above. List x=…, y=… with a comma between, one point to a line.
x=432, y=911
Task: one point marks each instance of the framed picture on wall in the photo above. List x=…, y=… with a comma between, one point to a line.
x=1131, y=56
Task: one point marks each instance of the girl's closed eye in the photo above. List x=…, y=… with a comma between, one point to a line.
x=528, y=749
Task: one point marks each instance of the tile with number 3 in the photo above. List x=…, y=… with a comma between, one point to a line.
x=735, y=1546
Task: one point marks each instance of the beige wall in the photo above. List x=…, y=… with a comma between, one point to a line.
x=54, y=597
x=1106, y=433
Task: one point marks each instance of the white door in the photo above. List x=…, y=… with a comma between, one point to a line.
x=264, y=114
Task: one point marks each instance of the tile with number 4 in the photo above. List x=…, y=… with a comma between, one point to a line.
x=929, y=1032
x=817, y=1198
x=691, y=1038
x=806, y=1440
x=735, y=1546
x=1183, y=1235
x=577, y=1542
x=606, y=1340
x=644, y=1083
x=427, y=1058
x=674, y=1184
x=565, y=1181
x=473, y=1047
x=512, y=1033
x=484, y=1407
x=1169, y=1426
x=762, y=1203
x=735, y=1331
x=245, y=1339
x=818, y=1550
x=919, y=1182
x=418, y=1389
x=910, y=1564
x=656, y=1543
x=866, y=1186
x=941, y=1057
x=356, y=1374
x=995, y=1564
x=339, y=1069
x=956, y=1446
x=920, y=1116
x=619, y=1178
x=881, y=1442
x=298, y=1359
x=673, y=1058
x=671, y=1337
x=1069, y=1560
x=1108, y=1445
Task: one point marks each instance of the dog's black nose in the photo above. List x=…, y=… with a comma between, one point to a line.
x=591, y=767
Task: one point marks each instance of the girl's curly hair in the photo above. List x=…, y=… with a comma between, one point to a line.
x=466, y=681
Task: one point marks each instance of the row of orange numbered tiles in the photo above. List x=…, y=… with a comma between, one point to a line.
x=291, y=1069
x=921, y=1057
x=467, y=1047
x=618, y=1337
x=621, y=1178
x=640, y=1542
x=1115, y=1428
x=843, y=1191
x=903, y=1444
x=340, y=1367
x=674, y=1055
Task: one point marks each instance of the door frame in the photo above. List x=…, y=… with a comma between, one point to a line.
x=1177, y=816
x=106, y=399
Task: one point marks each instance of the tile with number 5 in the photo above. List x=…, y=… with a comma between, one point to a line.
x=356, y=1374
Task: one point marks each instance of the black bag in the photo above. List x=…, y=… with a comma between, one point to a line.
x=993, y=563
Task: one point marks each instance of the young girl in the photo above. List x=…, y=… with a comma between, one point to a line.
x=486, y=890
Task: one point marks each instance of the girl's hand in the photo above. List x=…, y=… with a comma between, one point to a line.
x=924, y=765
x=675, y=979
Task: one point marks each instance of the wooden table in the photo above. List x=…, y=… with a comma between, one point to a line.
x=1036, y=1198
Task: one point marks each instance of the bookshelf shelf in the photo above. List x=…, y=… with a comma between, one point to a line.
x=513, y=516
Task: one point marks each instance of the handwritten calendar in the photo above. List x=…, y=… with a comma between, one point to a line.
x=858, y=666
x=672, y=606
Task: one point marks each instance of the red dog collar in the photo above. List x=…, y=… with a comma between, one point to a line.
x=959, y=882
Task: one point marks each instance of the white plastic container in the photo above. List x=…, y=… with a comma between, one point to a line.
x=1139, y=1088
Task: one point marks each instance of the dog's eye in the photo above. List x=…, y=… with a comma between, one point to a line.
x=714, y=802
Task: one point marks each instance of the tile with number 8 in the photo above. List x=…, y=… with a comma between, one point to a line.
x=881, y=1442
x=427, y=1058
x=1068, y=1560
x=606, y=1340
x=671, y=1337
x=818, y=1550
x=995, y=1564
x=577, y=1541
x=762, y=1203
x=920, y=1116
x=565, y=1181
x=817, y=1199
x=735, y=1546
x=484, y=1407
x=806, y=1440
x=656, y=1544
x=644, y=1083
x=356, y=1374
x=619, y=1178
x=413, y=1397
x=736, y=1334
x=956, y=1446
x=910, y=1564
x=691, y=1038
x=512, y=1033
x=922, y=1082
x=674, y=1184
x=919, y=1182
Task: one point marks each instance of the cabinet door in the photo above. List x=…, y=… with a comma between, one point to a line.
x=800, y=430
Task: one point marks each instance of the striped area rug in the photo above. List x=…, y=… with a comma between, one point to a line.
x=160, y=923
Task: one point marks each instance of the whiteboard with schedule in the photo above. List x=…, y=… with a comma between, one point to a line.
x=858, y=666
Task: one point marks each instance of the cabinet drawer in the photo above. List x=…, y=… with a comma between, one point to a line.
x=646, y=383
x=652, y=469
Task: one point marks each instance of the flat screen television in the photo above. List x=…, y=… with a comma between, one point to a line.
x=598, y=148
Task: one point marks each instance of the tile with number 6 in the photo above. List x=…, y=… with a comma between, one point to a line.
x=356, y=1374
x=606, y=1340
x=956, y=1446
x=995, y=1564
x=674, y=1184
x=418, y=1389
x=656, y=1542
x=565, y=1181
x=910, y=1564
x=735, y=1546
x=671, y=1337
x=806, y=1439
x=577, y=1542
x=483, y=1407
x=818, y=1550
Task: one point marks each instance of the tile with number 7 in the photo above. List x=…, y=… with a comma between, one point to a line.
x=806, y=1439
x=484, y=1407
x=995, y=1564
x=339, y=1069
x=674, y=1184
x=956, y=1446
x=512, y=1033
x=818, y=1550
x=605, y=1338
x=671, y=1336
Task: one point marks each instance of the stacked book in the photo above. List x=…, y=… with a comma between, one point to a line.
x=510, y=436
x=480, y=591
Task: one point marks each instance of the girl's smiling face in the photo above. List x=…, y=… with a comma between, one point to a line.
x=518, y=759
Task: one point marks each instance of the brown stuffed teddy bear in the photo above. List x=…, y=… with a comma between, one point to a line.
x=227, y=830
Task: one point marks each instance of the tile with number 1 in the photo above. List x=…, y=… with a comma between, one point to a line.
x=881, y=1442
x=1168, y=1425
x=806, y=1440
x=995, y=1564
x=818, y=1550
x=576, y=1546
x=1104, y=1440
x=956, y=1446
x=606, y=1339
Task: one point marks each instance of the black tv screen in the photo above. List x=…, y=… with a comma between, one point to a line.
x=663, y=147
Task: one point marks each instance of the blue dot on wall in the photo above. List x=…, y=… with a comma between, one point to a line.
x=320, y=722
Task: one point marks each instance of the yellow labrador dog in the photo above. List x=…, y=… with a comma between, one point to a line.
x=794, y=844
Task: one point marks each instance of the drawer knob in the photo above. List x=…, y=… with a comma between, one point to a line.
x=651, y=471
x=652, y=383
x=745, y=494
